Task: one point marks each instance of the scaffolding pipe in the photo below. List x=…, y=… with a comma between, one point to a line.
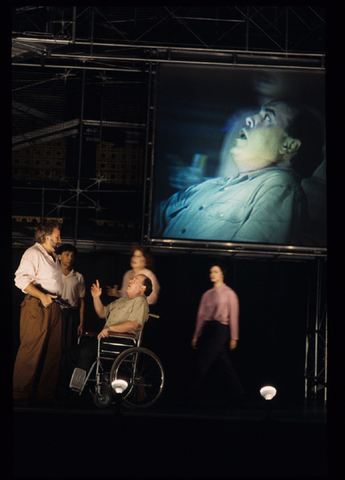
x=307, y=343
x=167, y=47
x=152, y=170
x=147, y=142
x=74, y=24
x=80, y=156
x=287, y=30
x=326, y=357
x=317, y=327
x=247, y=29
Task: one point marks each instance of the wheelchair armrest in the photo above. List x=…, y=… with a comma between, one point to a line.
x=131, y=335
x=111, y=334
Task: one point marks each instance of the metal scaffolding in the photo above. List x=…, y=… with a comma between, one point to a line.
x=72, y=55
x=316, y=346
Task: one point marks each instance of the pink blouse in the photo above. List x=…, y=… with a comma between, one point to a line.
x=220, y=304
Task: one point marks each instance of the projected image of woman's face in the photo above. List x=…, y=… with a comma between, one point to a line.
x=261, y=142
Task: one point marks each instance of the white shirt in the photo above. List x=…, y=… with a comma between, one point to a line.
x=73, y=287
x=38, y=267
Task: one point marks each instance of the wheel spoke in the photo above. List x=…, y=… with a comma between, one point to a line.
x=143, y=372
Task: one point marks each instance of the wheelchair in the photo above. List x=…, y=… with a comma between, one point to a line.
x=121, y=357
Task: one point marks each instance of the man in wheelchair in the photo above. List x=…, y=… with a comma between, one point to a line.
x=124, y=315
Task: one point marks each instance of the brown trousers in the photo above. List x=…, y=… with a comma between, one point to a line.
x=40, y=341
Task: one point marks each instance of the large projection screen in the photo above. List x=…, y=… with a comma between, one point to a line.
x=239, y=157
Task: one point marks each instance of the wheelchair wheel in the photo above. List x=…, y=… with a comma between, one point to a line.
x=103, y=399
x=143, y=371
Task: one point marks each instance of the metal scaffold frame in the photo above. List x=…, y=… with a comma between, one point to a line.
x=109, y=41
x=95, y=40
x=149, y=153
x=85, y=37
x=316, y=346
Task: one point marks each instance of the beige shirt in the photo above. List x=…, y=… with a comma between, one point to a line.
x=134, y=309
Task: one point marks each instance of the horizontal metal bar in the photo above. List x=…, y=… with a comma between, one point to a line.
x=71, y=189
x=238, y=248
x=105, y=123
x=185, y=62
x=163, y=60
x=169, y=47
x=77, y=67
x=45, y=131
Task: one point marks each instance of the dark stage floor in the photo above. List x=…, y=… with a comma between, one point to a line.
x=168, y=440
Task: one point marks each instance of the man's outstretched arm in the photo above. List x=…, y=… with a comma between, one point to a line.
x=96, y=293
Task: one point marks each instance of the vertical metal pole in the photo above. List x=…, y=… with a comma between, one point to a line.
x=306, y=360
x=317, y=327
x=153, y=143
x=50, y=19
x=287, y=30
x=247, y=29
x=80, y=156
x=74, y=23
x=306, y=365
x=100, y=140
x=147, y=141
x=92, y=27
x=326, y=356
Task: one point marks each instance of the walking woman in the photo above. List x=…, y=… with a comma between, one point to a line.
x=216, y=333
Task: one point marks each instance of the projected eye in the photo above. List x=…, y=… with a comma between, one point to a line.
x=267, y=118
x=249, y=122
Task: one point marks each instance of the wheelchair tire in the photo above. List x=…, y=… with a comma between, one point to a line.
x=144, y=373
x=104, y=399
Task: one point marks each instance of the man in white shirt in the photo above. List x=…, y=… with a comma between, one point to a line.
x=73, y=290
x=40, y=318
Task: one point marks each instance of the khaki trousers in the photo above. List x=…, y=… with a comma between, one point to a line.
x=40, y=341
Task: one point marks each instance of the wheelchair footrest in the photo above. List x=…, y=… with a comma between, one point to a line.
x=77, y=380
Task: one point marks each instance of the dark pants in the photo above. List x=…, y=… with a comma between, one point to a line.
x=79, y=356
x=213, y=344
x=69, y=337
x=40, y=345
x=69, y=328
